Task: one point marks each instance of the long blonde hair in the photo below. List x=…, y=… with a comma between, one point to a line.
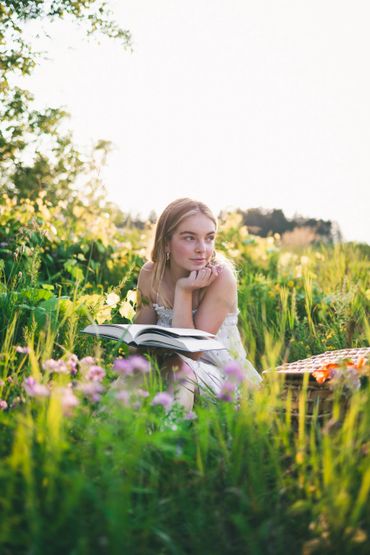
x=168, y=221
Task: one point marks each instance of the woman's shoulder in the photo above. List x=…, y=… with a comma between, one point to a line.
x=145, y=279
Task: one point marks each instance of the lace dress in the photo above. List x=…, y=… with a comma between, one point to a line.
x=208, y=369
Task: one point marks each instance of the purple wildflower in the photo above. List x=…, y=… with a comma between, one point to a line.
x=226, y=392
x=234, y=372
x=24, y=350
x=3, y=404
x=139, y=363
x=95, y=373
x=181, y=374
x=92, y=390
x=69, y=400
x=34, y=389
x=57, y=366
x=190, y=415
x=123, y=366
x=123, y=396
x=71, y=364
x=142, y=393
x=163, y=398
x=86, y=362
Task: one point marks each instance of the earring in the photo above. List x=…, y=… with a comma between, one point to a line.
x=167, y=256
x=213, y=258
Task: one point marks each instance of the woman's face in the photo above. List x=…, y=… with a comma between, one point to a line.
x=192, y=243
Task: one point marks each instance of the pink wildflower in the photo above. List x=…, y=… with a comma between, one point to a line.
x=86, y=362
x=95, y=373
x=3, y=404
x=139, y=363
x=57, y=366
x=24, y=350
x=2, y=383
x=123, y=366
x=227, y=391
x=34, y=389
x=163, y=398
x=124, y=397
x=69, y=400
x=142, y=393
x=234, y=372
x=72, y=364
x=190, y=415
x=180, y=375
x=92, y=390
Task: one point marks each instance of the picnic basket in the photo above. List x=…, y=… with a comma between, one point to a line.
x=318, y=395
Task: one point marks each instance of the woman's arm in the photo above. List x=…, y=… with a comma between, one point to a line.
x=219, y=300
x=145, y=313
x=185, y=287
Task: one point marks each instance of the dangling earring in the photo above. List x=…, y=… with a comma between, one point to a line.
x=213, y=258
x=167, y=256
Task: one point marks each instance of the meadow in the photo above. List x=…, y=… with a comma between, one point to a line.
x=89, y=468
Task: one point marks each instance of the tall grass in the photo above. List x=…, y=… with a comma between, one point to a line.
x=109, y=477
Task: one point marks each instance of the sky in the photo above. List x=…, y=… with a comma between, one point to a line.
x=238, y=103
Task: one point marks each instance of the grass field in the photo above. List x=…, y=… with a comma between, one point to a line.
x=85, y=469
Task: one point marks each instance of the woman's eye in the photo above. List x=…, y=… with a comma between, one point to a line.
x=188, y=238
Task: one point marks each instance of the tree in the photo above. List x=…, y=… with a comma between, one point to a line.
x=27, y=166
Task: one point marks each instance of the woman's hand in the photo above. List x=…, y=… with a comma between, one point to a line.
x=197, y=279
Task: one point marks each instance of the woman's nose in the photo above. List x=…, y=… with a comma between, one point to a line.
x=200, y=246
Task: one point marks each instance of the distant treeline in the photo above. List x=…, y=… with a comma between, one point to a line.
x=267, y=222
x=263, y=222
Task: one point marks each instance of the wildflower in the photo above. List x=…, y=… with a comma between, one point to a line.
x=2, y=383
x=9, y=379
x=123, y=366
x=140, y=363
x=163, y=398
x=87, y=361
x=128, y=366
x=112, y=299
x=142, y=393
x=34, y=389
x=190, y=415
x=57, y=366
x=324, y=373
x=92, y=390
x=234, y=372
x=71, y=364
x=226, y=392
x=3, y=404
x=123, y=396
x=181, y=374
x=24, y=350
x=95, y=373
x=69, y=400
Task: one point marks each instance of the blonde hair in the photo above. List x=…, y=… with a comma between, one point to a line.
x=167, y=223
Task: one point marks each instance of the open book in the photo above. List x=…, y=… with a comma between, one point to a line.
x=178, y=339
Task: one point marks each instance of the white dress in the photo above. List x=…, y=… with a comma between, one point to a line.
x=208, y=369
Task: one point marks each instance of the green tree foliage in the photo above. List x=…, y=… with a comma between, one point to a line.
x=35, y=154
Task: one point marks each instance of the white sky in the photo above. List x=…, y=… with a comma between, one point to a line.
x=238, y=103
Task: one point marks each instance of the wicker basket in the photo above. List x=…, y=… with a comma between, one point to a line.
x=318, y=396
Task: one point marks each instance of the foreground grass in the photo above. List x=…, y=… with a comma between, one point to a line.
x=108, y=476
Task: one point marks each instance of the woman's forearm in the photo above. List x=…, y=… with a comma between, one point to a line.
x=183, y=309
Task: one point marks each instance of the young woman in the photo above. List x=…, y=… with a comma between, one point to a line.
x=187, y=285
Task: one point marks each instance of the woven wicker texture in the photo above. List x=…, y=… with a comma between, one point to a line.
x=317, y=361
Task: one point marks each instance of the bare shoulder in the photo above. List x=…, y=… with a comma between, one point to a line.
x=226, y=279
x=145, y=279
